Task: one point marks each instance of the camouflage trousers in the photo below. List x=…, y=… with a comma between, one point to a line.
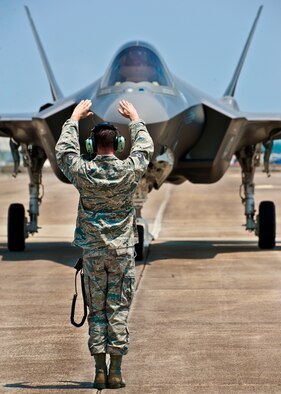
x=109, y=277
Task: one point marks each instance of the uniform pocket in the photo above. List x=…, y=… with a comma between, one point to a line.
x=97, y=294
x=127, y=291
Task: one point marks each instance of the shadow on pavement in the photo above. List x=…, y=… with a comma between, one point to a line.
x=59, y=252
x=59, y=386
x=201, y=249
x=64, y=253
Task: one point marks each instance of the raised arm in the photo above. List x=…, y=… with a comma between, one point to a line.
x=68, y=148
x=142, y=144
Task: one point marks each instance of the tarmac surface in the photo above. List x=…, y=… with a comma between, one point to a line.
x=206, y=317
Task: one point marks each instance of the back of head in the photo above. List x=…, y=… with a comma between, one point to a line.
x=105, y=138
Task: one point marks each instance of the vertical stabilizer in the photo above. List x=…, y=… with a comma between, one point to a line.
x=55, y=90
x=232, y=86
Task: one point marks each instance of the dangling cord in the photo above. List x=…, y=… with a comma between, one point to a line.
x=78, y=268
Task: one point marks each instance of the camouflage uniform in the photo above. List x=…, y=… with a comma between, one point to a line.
x=106, y=230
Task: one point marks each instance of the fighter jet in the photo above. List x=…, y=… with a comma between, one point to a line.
x=195, y=136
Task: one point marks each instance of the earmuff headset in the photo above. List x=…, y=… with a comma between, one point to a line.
x=118, y=143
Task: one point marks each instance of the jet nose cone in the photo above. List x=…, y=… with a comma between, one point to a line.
x=151, y=109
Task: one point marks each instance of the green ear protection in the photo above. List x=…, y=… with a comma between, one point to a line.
x=119, y=140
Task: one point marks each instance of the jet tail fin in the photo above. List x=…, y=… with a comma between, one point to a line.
x=232, y=86
x=55, y=90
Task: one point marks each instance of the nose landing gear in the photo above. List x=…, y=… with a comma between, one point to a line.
x=141, y=248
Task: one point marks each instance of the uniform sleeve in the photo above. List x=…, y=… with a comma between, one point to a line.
x=142, y=147
x=68, y=152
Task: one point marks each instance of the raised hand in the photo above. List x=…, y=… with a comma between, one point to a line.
x=127, y=110
x=82, y=110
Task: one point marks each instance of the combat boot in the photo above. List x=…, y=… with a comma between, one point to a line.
x=115, y=380
x=101, y=371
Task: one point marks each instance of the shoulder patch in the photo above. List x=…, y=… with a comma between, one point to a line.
x=69, y=158
x=138, y=154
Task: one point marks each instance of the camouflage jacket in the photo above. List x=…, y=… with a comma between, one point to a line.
x=106, y=184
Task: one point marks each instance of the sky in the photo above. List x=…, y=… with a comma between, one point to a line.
x=200, y=41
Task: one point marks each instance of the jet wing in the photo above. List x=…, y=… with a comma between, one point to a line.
x=225, y=131
x=39, y=129
x=11, y=125
x=251, y=127
x=260, y=127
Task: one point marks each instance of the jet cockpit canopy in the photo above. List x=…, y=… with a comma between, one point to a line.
x=136, y=62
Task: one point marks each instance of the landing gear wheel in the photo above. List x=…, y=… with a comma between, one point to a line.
x=267, y=225
x=16, y=228
x=140, y=246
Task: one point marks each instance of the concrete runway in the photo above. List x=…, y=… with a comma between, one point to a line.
x=206, y=317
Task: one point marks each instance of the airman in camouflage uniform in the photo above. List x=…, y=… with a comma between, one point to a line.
x=106, y=230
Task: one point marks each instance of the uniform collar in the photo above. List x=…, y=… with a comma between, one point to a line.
x=105, y=157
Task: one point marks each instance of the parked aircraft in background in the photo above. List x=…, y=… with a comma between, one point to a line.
x=195, y=135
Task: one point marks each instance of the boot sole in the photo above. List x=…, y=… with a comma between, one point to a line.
x=115, y=386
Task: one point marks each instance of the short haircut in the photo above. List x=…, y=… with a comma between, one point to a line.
x=105, y=138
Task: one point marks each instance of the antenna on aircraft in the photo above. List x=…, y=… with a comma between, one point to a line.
x=232, y=86
x=55, y=90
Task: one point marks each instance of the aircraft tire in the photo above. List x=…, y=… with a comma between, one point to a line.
x=267, y=225
x=139, y=247
x=16, y=228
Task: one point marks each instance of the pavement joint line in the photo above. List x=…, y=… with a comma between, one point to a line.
x=155, y=232
x=158, y=219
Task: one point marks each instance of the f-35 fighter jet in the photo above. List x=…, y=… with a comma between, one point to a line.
x=195, y=135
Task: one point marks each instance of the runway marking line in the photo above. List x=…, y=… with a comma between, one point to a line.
x=158, y=219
